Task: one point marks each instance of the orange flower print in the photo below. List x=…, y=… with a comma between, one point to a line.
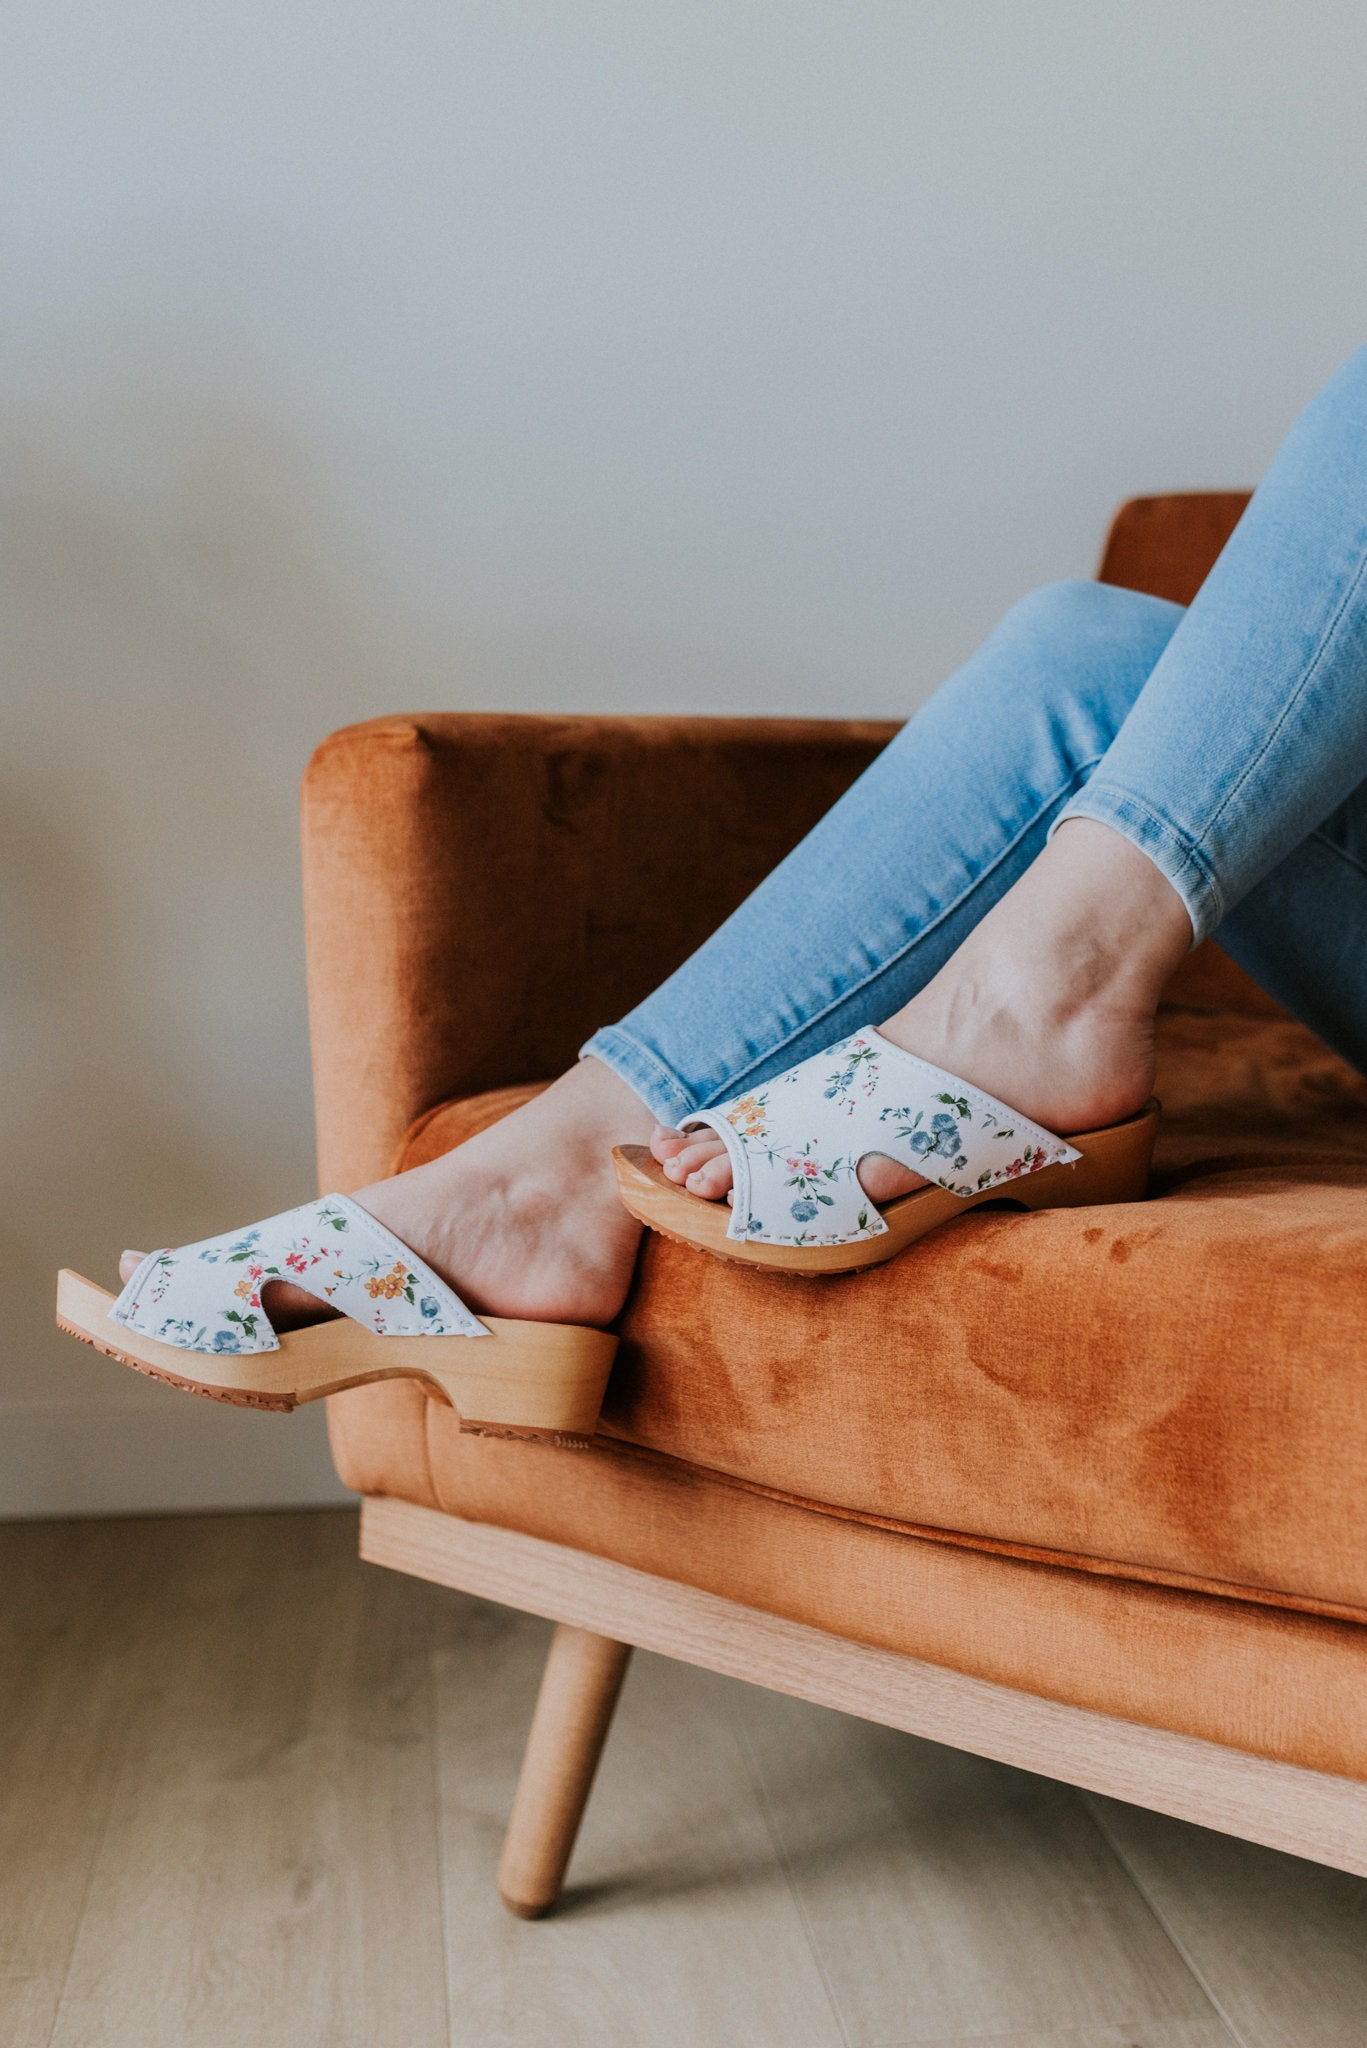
x=384, y=1286
x=245, y=1290
x=746, y=1114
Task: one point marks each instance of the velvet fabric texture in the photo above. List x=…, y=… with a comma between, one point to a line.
x=1151, y=1389
x=482, y=891
x=1115, y=1457
x=1280, y=1684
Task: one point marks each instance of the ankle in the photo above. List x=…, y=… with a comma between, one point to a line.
x=523, y=1219
x=1092, y=929
x=1050, y=1002
x=558, y=1163
x=1103, y=920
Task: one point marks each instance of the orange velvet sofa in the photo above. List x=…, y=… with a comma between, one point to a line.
x=1085, y=1490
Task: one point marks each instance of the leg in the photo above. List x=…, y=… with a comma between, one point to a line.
x=1252, y=729
x=880, y=897
x=524, y=1219
x=895, y=910
x=574, y=1709
x=1049, y=1004
x=1299, y=932
x=1238, y=772
x=1249, y=732
x=1198, y=748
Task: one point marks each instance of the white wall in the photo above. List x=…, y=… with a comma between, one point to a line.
x=592, y=354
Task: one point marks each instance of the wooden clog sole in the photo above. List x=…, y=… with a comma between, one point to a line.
x=1114, y=1167
x=544, y=1380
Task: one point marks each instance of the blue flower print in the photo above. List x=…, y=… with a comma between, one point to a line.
x=861, y=1066
x=429, y=1307
x=181, y=1330
x=244, y=1247
x=803, y=1212
x=942, y=1137
x=227, y=1340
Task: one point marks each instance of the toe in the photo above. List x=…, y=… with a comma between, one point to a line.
x=665, y=1143
x=128, y=1265
x=712, y=1179
x=696, y=1153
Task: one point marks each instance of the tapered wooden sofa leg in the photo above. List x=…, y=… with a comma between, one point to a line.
x=579, y=1689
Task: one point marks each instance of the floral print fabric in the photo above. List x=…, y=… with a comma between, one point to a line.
x=796, y=1144
x=207, y=1296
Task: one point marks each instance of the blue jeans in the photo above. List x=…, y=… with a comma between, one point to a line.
x=1227, y=741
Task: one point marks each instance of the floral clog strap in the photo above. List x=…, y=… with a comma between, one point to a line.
x=796, y=1143
x=207, y=1296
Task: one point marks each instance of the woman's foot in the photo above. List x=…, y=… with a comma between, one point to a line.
x=523, y=1219
x=1048, y=1005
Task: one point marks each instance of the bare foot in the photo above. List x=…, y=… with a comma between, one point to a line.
x=523, y=1219
x=699, y=1161
x=1049, y=1004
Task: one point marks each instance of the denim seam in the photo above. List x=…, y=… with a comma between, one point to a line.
x=737, y=1080
x=1315, y=662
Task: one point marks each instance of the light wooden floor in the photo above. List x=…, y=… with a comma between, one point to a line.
x=253, y=1793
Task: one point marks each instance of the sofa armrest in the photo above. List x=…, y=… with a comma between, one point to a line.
x=482, y=891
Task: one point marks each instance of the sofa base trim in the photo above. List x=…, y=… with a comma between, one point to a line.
x=1307, y=1813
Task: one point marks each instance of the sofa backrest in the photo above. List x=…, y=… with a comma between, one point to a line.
x=1167, y=546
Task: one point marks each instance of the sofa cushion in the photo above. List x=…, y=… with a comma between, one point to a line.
x=1173, y=1390
x=1291, y=1686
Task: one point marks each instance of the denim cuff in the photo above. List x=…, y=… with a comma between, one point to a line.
x=657, y=1087
x=1172, y=853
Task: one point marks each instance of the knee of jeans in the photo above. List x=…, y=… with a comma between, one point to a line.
x=1064, y=606
x=1077, y=609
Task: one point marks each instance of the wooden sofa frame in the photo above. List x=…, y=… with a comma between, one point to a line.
x=604, y=1610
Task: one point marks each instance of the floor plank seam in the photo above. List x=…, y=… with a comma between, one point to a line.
x=96, y=1858
x=439, y=1820
x=784, y=1862
x=1037, y=2037
x=1236, y=2034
